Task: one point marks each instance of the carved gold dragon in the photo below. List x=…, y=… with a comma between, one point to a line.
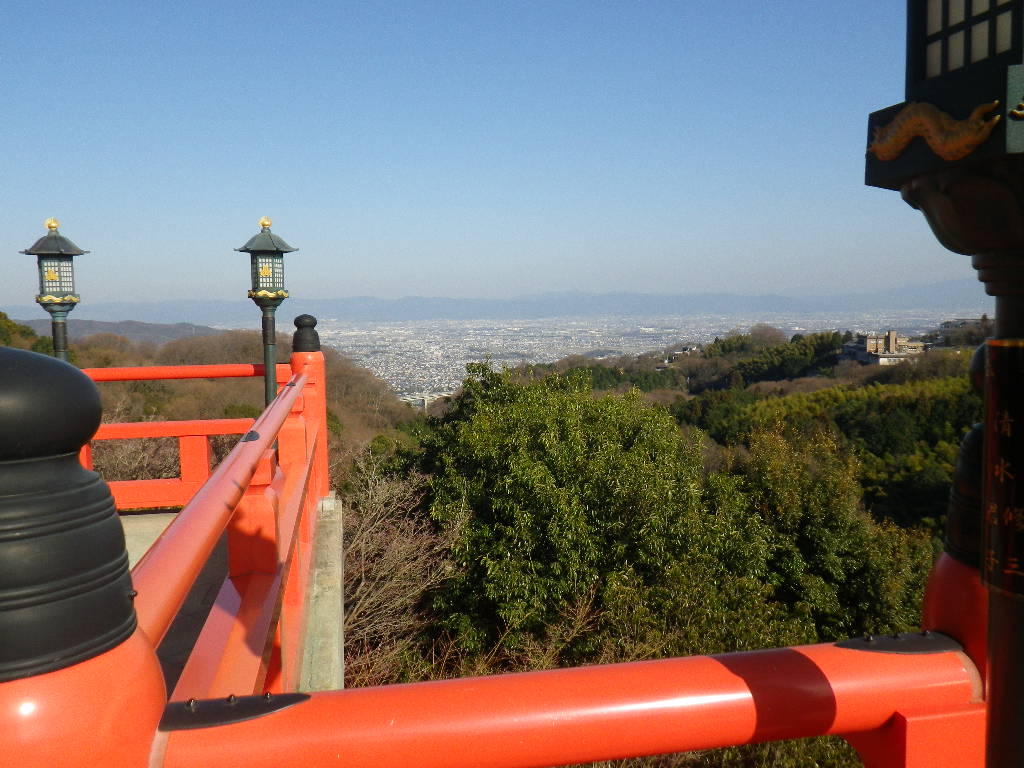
x=948, y=138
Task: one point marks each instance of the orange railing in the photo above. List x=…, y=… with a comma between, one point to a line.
x=900, y=710
x=193, y=435
x=263, y=494
x=907, y=708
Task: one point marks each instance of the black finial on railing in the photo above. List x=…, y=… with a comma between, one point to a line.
x=964, y=515
x=306, y=339
x=65, y=590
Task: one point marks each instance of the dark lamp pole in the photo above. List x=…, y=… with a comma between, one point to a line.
x=55, y=259
x=266, y=256
x=955, y=150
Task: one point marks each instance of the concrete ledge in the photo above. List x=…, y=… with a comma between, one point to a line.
x=323, y=662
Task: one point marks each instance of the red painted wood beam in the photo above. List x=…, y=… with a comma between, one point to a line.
x=155, y=372
x=581, y=715
x=196, y=427
x=153, y=494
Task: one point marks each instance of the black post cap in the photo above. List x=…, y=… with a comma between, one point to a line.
x=306, y=339
x=47, y=407
x=65, y=589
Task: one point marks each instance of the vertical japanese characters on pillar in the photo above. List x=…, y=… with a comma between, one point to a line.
x=1003, y=537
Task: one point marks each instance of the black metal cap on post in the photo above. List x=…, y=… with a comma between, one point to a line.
x=55, y=260
x=65, y=589
x=266, y=260
x=305, y=338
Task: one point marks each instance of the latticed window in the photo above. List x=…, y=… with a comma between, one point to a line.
x=267, y=272
x=960, y=33
x=56, y=277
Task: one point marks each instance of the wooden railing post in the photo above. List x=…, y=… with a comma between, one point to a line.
x=307, y=357
x=252, y=532
x=194, y=452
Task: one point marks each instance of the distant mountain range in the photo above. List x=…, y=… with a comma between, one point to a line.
x=957, y=296
x=133, y=330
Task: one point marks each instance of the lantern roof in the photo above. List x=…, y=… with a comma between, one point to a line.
x=266, y=241
x=53, y=243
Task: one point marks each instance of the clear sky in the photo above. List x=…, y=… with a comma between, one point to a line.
x=476, y=148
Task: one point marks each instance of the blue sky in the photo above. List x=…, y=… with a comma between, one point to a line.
x=456, y=148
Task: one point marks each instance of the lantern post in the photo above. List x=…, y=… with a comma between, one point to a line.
x=955, y=150
x=266, y=254
x=55, y=260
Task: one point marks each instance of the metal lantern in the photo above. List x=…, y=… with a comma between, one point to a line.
x=55, y=259
x=266, y=255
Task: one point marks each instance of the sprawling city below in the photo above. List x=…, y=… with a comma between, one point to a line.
x=426, y=358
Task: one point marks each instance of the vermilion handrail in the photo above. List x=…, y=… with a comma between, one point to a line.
x=586, y=714
x=194, y=454
x=198, y=427
x=154, y=372
x=229, y=654
x=194, y=457
x=166, y=572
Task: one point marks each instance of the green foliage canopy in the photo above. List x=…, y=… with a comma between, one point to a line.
x=905, y=434
x=559, y=499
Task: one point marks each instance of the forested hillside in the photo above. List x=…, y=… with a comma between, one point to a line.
x=552, y=526
x=758, y=492
x=902, y=423
x=14, y=334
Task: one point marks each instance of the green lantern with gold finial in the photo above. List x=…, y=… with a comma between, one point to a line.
x=266, y=262
x=57, y=295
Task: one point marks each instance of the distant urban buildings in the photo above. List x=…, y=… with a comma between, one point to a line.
x=425, y=359
x=882, y=349
x=963, y=322
x=965, y=331
x=423, y=400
